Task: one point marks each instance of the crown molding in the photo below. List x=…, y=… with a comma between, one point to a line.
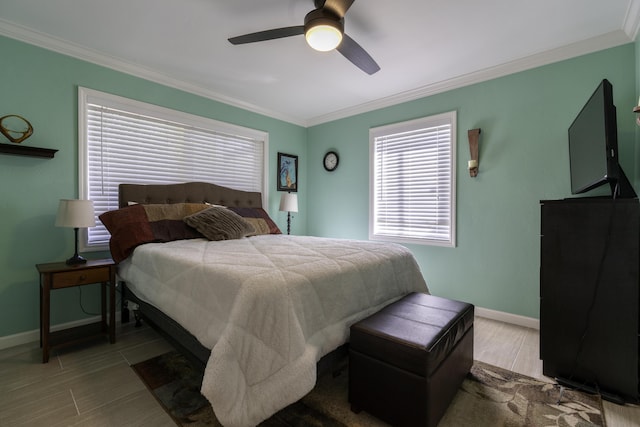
x=632, y=20
x=609, y=40
x=64, y=47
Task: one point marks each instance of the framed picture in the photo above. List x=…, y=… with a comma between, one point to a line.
x=287, y=172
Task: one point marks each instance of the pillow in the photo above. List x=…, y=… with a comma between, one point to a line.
x=259, y=219
x=219, y=223
x=134, y=225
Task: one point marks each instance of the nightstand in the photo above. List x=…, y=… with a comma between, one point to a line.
x=59, y=275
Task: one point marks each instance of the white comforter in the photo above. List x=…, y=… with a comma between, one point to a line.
x=269, y=306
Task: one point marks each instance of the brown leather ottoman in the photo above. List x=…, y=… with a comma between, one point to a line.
x=407, y=361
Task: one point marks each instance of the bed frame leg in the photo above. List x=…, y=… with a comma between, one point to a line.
x=124, y=313
x=124, y=304
x=136, y=315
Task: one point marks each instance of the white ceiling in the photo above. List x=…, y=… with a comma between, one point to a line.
x=423, y=47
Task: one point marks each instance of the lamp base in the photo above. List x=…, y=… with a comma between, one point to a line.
x=76, y=259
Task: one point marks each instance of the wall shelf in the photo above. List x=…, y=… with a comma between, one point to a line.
x=22, y=150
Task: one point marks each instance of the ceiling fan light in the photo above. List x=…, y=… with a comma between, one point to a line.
x=323, y=37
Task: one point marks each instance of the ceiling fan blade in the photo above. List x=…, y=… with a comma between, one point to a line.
x=277, y=33
x=339, y=7
x=356, y=54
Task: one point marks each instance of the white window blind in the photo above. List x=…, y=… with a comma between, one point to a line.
x=125, y=141
x=412, y=181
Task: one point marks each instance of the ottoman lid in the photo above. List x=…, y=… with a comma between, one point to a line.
x=415, y=333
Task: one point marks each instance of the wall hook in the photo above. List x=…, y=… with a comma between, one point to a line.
x=474, y=139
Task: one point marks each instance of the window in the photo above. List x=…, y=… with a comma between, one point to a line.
x=126, y=141
x=412, y=181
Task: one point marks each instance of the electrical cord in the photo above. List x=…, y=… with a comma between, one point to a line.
x=82, y=306
x=89, y=313
x=594, y=296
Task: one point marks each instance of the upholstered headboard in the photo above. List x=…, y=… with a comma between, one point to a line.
x=188, y=192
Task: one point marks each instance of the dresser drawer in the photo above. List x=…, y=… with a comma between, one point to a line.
x=80, y=277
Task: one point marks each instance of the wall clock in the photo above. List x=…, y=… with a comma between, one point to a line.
x=331, y=160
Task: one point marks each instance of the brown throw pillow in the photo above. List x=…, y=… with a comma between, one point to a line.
x=259, y=218
x=134, y=225
x=219, y=223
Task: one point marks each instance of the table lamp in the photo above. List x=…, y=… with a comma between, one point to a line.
x=288, y=204
x=76, y=214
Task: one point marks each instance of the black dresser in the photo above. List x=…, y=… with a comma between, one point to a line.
x=589, y=294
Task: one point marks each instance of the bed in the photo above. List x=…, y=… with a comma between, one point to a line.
x=259, y=312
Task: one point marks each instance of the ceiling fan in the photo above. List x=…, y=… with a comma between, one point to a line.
x=324, y=31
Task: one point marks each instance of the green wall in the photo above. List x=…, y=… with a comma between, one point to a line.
x=524, y=119
x=41, y=86
x=523, y=158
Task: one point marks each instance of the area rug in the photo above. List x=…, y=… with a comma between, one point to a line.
x=489, y=396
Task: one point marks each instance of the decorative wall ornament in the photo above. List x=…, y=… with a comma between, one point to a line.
x=474, y=139
x=15, y=128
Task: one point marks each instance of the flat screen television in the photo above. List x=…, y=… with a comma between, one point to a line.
x=593, y=146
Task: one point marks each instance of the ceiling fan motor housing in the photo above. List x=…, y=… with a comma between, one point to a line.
x=323, y=30
x=323, y=17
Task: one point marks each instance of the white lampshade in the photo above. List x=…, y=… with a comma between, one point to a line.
x=289, y=202
x=323, y=37
x=75, y=214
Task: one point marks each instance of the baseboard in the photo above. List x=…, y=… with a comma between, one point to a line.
x=514, y=319
x=34, y=335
